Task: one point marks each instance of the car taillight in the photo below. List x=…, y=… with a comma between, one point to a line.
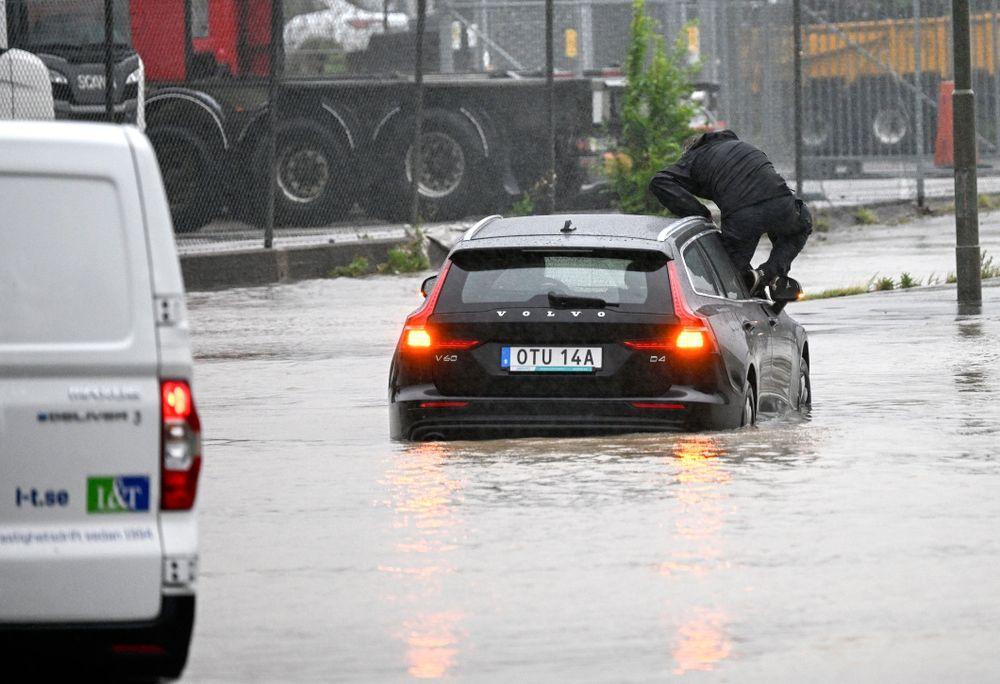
x=695, y=334
x=362, y=24
x=181, y=446
x=418, y=336
x=692, y=335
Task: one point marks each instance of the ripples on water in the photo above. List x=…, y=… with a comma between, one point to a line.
x=848, y=536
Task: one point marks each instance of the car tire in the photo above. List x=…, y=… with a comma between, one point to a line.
x=804, y=390
x=748, y=414
x=188, y=176
x=456, y=169
x=315, y=174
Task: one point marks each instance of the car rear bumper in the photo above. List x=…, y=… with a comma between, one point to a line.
x=151, y=648
x=420, y=413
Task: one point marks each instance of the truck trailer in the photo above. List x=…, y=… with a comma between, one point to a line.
x=343, y=141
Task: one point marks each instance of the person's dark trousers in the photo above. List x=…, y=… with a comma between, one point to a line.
x=785, y=220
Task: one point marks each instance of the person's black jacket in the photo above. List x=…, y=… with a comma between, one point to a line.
x=720, y=167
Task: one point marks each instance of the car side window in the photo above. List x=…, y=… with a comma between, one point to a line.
x=701, y=273
x=723, y=265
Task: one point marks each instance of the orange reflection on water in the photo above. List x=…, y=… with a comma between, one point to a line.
x=432, y=644
x=700, y=489
x=701, y=642
x=424, y=528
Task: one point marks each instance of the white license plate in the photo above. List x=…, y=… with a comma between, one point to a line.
x=550, y=359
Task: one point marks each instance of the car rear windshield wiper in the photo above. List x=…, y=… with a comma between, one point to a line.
x=568, y=302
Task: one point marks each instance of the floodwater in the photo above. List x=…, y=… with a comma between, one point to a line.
x=857, y=544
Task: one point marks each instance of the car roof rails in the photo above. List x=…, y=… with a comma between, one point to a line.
x=471, y=232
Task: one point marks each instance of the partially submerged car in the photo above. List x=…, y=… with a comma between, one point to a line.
x=593, y=323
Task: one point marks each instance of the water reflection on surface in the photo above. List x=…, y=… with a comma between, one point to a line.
x=698, y=548
x=858, y=544
x=425, y=525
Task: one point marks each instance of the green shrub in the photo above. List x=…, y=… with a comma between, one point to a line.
x=357, y=268
x=883, y=284
x=656, y=112
x=951, y=279
x=906, y=281
x=865, y=216
x=409, y=258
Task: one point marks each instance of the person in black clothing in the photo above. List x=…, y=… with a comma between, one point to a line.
x=753, y=198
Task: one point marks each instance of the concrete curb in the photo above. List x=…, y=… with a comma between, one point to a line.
x=255, y=267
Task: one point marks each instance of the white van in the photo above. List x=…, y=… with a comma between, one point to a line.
x=100, y=442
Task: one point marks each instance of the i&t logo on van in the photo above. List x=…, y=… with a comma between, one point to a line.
x=121, y=494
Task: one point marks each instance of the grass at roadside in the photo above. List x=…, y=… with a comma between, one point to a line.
x=988, y=268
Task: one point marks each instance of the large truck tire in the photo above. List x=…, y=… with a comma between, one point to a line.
x=456, y=171
x=188, y=172
x=315, y=174
x=887, y=120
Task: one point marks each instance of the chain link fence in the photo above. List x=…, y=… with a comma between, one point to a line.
x=873, y=75
x=293, y=122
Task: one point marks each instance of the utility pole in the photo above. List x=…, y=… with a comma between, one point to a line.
x=970, y=290
x=550, y=108
x=797, y=59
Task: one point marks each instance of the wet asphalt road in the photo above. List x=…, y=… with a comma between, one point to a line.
x=857, y=544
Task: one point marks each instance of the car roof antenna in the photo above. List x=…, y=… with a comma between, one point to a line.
x=568, y=227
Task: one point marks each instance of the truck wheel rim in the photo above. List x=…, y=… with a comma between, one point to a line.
x=443, y=165
x=303, y=174
x=890, y=126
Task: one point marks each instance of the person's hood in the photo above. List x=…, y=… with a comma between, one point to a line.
x=713, y=137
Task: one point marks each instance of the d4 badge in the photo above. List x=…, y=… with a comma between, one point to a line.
x=118, y=494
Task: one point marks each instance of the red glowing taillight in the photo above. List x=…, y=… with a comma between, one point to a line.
x=693, y=335
x=657, y=405
x=181, y=446
x=418, y=336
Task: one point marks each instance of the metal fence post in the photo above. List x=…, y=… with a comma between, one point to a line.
x=995, y=45
x=587, y=35
x=966, y=192
x=274, y=90
x=417, y=157
x=918, y=103
x=109, y=60
x=550, y=107
x=797, y=60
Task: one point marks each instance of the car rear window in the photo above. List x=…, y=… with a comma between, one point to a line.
x=64, y=273
x=625, y=280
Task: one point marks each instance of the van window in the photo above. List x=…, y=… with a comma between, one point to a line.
x=64, y=274
x=625, y=280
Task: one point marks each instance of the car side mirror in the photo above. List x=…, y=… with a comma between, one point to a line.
x=427, y=286
x=783, y=291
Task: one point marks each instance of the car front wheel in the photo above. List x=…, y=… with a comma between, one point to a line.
x=805, y=386
x=748, y=417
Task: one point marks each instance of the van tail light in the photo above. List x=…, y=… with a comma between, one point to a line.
x=180, y=446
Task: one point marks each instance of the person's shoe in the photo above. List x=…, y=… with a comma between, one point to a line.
x=755, y=281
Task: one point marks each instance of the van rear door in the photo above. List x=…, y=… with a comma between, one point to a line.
x=79, y=392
